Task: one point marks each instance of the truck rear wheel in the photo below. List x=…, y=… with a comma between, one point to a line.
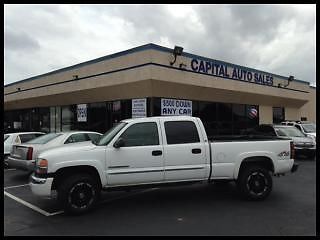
x=78, y=193
x=255, y=183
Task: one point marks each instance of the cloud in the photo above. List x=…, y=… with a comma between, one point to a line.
x=20, y=41
x=276, y=38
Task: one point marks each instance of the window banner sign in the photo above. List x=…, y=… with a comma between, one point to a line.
x=82, y=112
x=139, y=108
x=175, y=107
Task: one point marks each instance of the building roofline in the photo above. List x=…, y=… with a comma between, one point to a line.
x=143, y=48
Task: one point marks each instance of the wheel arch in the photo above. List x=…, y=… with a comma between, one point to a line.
x=64, y=172
x=262, y=161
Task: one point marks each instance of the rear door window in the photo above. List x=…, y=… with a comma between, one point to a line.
x=94, y=137
x=77, y=137
x=180, y=132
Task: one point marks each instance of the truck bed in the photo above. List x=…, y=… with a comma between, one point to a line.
x=236, y=138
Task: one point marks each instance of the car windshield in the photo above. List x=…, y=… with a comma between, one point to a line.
x=107, y=137
x=289, y=131
x=44, y=138
x=309, y=128
x=6, y=137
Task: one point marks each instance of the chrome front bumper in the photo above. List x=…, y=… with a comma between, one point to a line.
x=41, y=186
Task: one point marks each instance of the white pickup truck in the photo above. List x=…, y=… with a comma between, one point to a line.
x=157, y=151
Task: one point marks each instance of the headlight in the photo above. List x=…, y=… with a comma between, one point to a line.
x=313, y=138
x=41, y=166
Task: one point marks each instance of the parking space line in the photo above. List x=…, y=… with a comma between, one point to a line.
x=29, y=205
x=47, y=214
x=16, y=186
x=55, y=213
x=10, y=169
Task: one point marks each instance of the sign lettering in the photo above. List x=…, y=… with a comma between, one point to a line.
x=227, y=71
x=176, y=107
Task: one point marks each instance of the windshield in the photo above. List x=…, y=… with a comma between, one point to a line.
x=309, y=128
x=45, y=138
x=289, y=131
x=6, y=137
x=107, y=137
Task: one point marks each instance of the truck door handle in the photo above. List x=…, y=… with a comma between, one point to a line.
x=196, y=151
x=156, y=153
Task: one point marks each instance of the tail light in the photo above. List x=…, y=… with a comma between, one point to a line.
x=29, y=153
x=291, y=150
x=41, y=166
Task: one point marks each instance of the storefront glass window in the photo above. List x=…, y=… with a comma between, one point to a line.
x=278, y=114
x=44, y=119
x=97, y=117
x=67, y=117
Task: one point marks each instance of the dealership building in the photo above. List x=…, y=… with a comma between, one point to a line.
x=152, y=80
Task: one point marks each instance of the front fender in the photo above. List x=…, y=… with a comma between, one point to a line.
x=93, y=163
x=245, y=155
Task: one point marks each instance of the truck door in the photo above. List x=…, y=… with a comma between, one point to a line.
x=184, y=151
x=140, y=159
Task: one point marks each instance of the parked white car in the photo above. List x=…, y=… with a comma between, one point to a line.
x=23, y=156
x=307, y=128
x=303, y=144
x=11, y=139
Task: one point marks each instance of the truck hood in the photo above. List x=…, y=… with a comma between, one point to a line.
x=68, y=149
x=312, y=134
x=302, y=139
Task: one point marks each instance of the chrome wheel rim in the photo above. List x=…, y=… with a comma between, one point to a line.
x=81, y=195
x=257, y=183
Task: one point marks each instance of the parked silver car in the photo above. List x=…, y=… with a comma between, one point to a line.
x=303, y=144
x=11, y=139
x=308, y=128
x=23, y=156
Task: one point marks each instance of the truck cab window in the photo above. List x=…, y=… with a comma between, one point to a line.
x=141, y=134
x=179, y=132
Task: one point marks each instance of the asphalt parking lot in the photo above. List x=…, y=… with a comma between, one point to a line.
x=199, y=209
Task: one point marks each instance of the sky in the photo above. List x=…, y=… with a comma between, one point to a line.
x=279, y=39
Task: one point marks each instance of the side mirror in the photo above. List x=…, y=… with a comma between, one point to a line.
x=119, y=143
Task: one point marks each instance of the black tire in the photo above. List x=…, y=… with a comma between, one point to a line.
x=78, y=193
x=254, y=183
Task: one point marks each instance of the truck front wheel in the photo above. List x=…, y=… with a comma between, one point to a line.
x=255, y=183
x=78, y=193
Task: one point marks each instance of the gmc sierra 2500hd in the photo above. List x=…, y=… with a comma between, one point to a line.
x=157, y=151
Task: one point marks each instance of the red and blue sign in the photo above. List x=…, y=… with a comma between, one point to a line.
x=253, y=113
